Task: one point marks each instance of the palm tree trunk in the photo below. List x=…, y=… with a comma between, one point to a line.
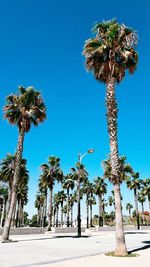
x=5, y=235
x=50, y=209
x=100, y=211
x=130, y=214
x=143, y=218
x=3, y=212
x=137, y=209
x=45, y=208
x=91, y=215
x=57, y=209
x=112, y=130
x=62, y=213
x=17, y=214
x=87, y=211
x=71, y=215
x=8, y=201
x=78, y=206
x=68, y=207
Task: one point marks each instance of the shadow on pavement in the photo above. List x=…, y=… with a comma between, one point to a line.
x=53, y=237
x=143, y=233
x=141, y=248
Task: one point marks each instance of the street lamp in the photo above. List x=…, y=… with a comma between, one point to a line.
x=80, y=157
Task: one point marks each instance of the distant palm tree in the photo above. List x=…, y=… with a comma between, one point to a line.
x=79, y=175
x=100, y=188
x=129, y=207
x=22, y=195
x=146, y=189
x=39, y=204
x=108, y=55
x=87, y=188
x=111, y=201
x=51, y=173
x=3, y=203
x=23, y=109
x=56, y=207
x=135, y=184
x=141, y=199
x=72, y=200
x=62, y=198
x=92, y=201
x=68, y=184
x=7, y=169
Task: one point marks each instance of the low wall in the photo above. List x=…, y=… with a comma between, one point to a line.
x=25, y=231
x=126, y=228
x=66, y=230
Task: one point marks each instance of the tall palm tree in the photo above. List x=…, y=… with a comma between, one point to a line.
x=23, y=109
x=68, y=184
x=100, y=189
x=51, y=172
x=108, y=55
x=141, y=199
x=135, y=184
x=129, y=207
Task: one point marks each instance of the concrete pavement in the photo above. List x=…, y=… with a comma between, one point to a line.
x=68, y=251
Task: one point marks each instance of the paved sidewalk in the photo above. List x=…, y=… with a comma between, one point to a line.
x=68, y=251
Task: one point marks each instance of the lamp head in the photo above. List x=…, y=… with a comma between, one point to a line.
x=91, y=150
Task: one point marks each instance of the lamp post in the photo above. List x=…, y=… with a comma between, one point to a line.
x=80, y=157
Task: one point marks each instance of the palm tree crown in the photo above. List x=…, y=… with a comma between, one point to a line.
x=111, y=51
x=25, y=109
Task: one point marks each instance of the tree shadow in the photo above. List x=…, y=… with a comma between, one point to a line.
x=140, y=248
x=130, y=233
x=53, y=237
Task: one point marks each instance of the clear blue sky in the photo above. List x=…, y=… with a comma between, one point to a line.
x=41, y=45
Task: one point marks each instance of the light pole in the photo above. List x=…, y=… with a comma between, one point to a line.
x=80, y=157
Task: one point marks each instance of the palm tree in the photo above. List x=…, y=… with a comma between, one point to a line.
x=141, y=199
x=43, y=188
x=62, y=198
x=135, y=184
x=51, y=173
x=79, y=174
x=146, y=189
x=108, y=55
x=100, y=189
x=92, y=201
x=111, y=201
x=22, y=195
x=72, y=200
x=23, y=109
x=7, y=169
x=87, y=188
x=68, y=184
x=56, y=207
x=39, y=204
x=3, y=200
x=129, y=207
